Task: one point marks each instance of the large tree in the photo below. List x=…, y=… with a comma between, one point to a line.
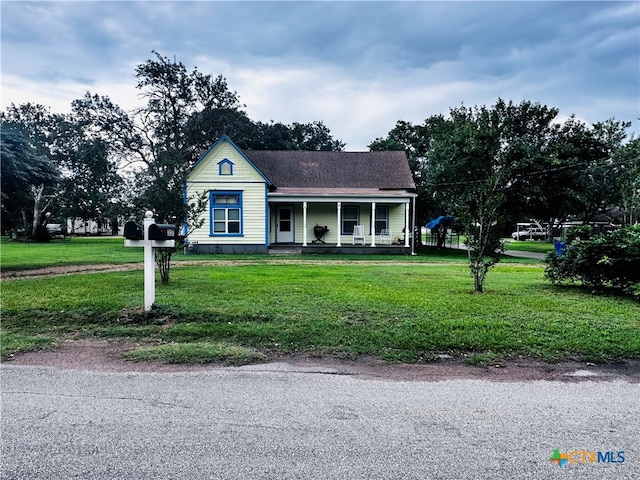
x=185, y=112
x=492, y=166
x=478, y=161
x=416, y=141
x=91, y=188
x=472, y=164
x=29, y=175
x=581, y=176
x=564, y=169
x=627, y=159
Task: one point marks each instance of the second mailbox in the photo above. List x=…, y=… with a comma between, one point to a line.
x=133, y=231
x=161, y=231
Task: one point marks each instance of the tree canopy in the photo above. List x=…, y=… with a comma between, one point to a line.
x=186, y=111
x=491, y=166
x=102, y=161
x=29, y=175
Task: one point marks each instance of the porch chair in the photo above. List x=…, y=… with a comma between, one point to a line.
x=385, y=236
x=358, y=234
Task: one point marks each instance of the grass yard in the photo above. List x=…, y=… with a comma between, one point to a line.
x=528, y=246
x=402, y=309
x=73, y=251
x=111, y=250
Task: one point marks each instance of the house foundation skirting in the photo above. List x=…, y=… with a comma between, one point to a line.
x=328, y=248
x=358, y=250
x=195, y=249
x=199, y=248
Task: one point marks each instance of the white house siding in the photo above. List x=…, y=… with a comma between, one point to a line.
x=396, y=220
x=253, y=211
x=205, y=177
x=323, y=214
x=207, y=167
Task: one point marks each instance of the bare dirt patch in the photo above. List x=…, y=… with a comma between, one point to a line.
x=104, y=356
x=57, y=271
x=67, y=270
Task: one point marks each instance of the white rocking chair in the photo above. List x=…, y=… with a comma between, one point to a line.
x=385, y=236
x=358, y=234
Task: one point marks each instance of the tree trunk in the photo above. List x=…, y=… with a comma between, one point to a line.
x=478, y=282
x=25, y=223
x=479, y=270
x=37, y=207
x=163, y=260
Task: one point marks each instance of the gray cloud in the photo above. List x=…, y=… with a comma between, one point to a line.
x=359, y=66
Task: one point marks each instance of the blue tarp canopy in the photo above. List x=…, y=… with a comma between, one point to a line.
x=441, y=219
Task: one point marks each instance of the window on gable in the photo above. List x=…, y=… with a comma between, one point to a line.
x=382, y=219
x=226, y=213
x=225, y=167
x=350, y=218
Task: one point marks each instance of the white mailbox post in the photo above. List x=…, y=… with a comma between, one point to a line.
x=135, y=238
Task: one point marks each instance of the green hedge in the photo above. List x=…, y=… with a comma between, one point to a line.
x=609, y=260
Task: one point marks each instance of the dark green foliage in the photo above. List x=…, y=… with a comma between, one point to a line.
x=41, y=234
x=297, y=136
x=186, y=111
x=627, y=160
x=29, y=175
x=610, y=260
x=493, y=166
x=473, y=161
x=91, y=188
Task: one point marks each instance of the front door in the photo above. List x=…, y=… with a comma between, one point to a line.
x=284, y=225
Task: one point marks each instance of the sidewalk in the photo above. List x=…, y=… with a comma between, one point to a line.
x=517, y=253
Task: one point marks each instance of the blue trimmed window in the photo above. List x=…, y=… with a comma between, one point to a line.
x=226, y=213
x=225, y=167
x=350, y=218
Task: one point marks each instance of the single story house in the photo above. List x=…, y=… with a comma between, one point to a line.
x=311, y=201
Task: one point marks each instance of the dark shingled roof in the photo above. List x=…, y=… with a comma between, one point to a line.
x=320, y=169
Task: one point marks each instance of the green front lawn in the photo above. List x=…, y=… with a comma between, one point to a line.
x=111, y=250
x=399, y=312
x=73, y=251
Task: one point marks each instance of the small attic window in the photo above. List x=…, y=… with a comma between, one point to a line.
x=225, y=167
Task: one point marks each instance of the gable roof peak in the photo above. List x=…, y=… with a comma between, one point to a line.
x=225, y=138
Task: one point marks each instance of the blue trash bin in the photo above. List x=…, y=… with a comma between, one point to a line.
x=560, y=247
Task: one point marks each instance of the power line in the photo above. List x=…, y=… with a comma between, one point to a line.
x=529, y=174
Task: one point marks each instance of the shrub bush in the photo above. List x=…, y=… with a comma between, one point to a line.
x=610, y=260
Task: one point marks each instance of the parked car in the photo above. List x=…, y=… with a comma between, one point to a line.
x=56, y=229
x=531, y=233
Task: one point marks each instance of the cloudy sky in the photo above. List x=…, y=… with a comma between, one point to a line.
x=357, y=66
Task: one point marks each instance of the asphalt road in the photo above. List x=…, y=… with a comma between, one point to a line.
x=281, y=422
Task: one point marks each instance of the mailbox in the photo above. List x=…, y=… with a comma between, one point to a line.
x=161, y=231
x=133, y=231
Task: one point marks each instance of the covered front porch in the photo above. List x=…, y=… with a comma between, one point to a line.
x=358, y=224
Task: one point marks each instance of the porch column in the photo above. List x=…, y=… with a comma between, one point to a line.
x=338, y=244
x=407, y=230
x=373, y=224
x=304, y=224
x=413, y=222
